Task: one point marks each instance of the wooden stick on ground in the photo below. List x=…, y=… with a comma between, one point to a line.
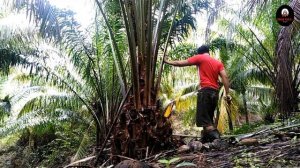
x=157, y=155
x=190, y=136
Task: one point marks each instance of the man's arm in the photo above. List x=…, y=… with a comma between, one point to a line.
x=178, y=63
x=225, y=81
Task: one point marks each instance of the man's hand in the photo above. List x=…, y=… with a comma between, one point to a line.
x=228, y=98
x=225, y=81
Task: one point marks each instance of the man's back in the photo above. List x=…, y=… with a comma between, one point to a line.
x=209, y=69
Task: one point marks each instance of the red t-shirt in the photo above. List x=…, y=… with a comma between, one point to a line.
x=208, y=68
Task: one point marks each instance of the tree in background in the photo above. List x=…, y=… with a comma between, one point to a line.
x=288, y=65
x=255, y=37
x=285, y=63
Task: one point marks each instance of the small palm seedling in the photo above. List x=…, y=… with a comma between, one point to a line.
x=168, y=162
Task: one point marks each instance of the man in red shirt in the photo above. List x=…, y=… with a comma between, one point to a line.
x=209, y=70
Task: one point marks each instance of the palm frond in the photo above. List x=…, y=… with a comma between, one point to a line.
x=116, y=52
x=251, y=5
x=82, y=149
x=228, y=113
x=262, y=92
x=34, y=118
x=189, y=89
x=212, y=16
x=5, y=107
x=9, y=59
x=186, y=102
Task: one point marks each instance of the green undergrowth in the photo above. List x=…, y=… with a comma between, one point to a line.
x=252, y=127
x=8, y=141
x=247, y=128
x=43, y=146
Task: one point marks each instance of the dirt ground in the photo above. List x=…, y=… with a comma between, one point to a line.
x=270, y=149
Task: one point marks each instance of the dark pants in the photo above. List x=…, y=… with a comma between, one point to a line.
x=206, y=104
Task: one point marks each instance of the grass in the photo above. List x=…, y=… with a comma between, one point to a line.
x=8, y=141
x=247, y=128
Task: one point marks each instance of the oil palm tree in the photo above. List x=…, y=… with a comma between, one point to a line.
x=10, y=57
x=271, y=56
x=145, y=36
x=243, y=75
x=256, y=43
x=286, y=64
x=150, y=26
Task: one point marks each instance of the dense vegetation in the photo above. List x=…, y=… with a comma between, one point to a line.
x=68, y=92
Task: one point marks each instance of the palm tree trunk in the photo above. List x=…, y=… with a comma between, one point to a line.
x=284, y=80
x=97, y=138
x=245, y=108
